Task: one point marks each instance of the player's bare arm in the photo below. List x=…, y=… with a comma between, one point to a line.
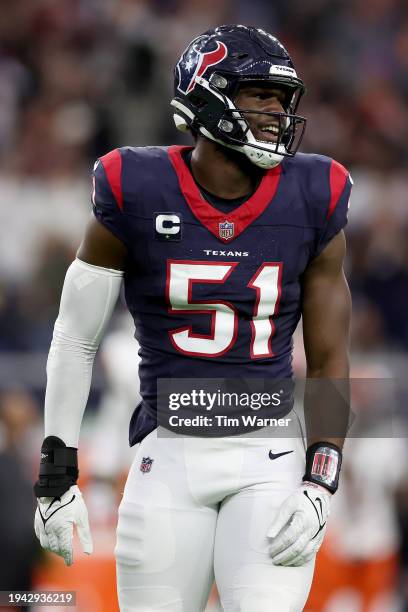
x=100, y=247
x=326, y=313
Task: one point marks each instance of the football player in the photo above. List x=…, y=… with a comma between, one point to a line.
x=222, y=246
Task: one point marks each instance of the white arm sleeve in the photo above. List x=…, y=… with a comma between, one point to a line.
x=88, y=298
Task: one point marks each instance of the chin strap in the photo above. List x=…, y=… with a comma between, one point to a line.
x=58, y=468
x=262, y=159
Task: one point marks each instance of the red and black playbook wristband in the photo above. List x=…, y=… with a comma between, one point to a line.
x=323, y=464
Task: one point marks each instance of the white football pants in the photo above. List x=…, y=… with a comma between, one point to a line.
x=203, y=509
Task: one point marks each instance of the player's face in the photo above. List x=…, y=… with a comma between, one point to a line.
x=265, y=98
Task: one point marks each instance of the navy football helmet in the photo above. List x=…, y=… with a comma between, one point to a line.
x=207, y=77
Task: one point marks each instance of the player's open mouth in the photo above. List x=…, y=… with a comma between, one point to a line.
x=268, y=133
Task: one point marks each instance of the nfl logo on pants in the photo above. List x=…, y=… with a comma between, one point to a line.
x=146, y=465
x=226, y=230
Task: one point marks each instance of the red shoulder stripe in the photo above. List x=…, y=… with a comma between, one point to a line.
x=338, y=178
x=112, y=163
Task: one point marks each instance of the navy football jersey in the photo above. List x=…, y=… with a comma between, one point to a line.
x=215, y=294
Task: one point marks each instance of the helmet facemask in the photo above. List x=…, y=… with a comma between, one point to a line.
x=213, y=113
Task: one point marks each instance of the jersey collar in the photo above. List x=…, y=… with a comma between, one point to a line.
x=226, y=226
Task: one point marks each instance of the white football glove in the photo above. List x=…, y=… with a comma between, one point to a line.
x=54, y=523
x=298, y=530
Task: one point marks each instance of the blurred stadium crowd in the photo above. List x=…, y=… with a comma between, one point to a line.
x=80, y=77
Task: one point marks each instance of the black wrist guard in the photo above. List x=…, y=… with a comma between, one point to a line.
x=323, y=463
x=58, y=468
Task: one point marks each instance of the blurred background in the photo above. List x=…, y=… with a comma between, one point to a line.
x=81, y=77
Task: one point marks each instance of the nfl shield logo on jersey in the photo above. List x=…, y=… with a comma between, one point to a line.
x=146, y=465
x=226, y=230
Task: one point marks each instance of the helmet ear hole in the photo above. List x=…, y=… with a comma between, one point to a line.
x=198, y=102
